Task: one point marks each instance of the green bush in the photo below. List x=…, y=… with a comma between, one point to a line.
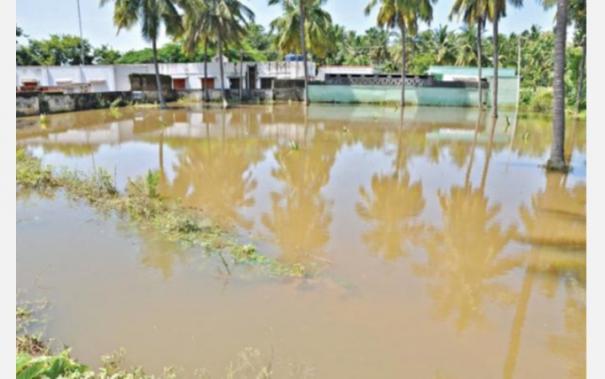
x=49, y=366
x=541, y=100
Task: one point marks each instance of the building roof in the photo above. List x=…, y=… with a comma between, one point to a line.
x=487, y=72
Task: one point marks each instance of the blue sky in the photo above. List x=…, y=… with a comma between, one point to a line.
x=39, y=18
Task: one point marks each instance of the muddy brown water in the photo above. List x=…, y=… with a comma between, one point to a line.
x=450, y=252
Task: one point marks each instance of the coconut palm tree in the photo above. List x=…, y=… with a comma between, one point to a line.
x=473, y=12
x=557, y=157
x=197, y=11
x=444, y=46
x=577, y=9
x=151, y=14
x=497, y=10
x=402, y=14
x=223, y=21
x=303, y=24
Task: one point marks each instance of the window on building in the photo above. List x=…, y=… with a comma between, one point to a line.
x=179, y=83
x=266, y=83
x=207, y=83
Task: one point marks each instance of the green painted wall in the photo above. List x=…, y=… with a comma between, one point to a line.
x=507, y=91
x=452, y=97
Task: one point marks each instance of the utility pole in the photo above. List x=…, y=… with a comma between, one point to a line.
x=81, y=38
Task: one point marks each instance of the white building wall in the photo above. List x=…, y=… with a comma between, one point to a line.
x=345, y=70
x=104, y=78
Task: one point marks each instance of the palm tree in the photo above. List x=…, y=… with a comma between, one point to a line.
x=557, y=157
x=377, y=41
x=223, y=21
x=197, y=11
x=151, y=14
x=304, y=24
x=405, y=15
x=466, y=42
x=497, y=10
x=473, y=12
x=443, y=44
x=577, y=10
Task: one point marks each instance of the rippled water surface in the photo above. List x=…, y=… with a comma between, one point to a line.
x=450, y=252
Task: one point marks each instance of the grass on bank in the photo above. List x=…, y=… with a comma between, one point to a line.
x=142, y=204
x=35, y=359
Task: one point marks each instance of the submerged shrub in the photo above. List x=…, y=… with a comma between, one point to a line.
x=31, y=173
x=147, y=209
x=94, y=188
x=152, y=180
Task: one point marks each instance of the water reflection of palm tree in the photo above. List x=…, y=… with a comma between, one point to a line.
x=214, y=176
x=464, y=255
x=555, y=228
x=391, y=208
x=394, y=203
x=300, y=217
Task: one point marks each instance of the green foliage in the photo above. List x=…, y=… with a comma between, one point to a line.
x=106, y=55
x=45, y=366
x=151, y=180
x=286, y=28
x=31, y=173
x=56, y=50
x=136, y=56
x=541, y=100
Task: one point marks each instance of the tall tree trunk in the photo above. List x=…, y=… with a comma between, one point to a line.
x=403, y=62
x=488, y=156
x=479, y=53
x=241, y=73
x=581, y=76
x=220, y=55
x=495, y=79
x=557, y=160
x=158, y=82
x=469, y=168
x=206, y=97
x=301, y=27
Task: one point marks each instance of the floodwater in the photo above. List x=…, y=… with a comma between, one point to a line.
x=450, y=252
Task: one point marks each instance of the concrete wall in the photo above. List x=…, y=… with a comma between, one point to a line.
x=507, y=91
x=350, y=70
x=261, y=95
x=47, y=103
x=28, y=105
x=460, y=97
x=433, y=96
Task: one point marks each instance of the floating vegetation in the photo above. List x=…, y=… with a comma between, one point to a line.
x=294, y=145
x=43, y=121
x=143, y=205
